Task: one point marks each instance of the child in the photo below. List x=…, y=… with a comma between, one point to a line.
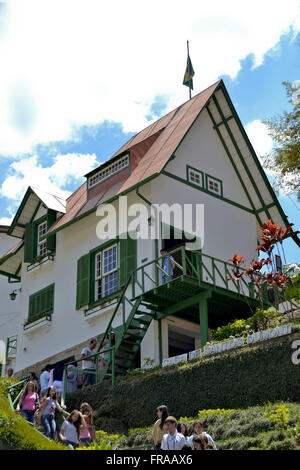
x=70, y=429
x=198, y=429
x=87, y=433
x=49, y=405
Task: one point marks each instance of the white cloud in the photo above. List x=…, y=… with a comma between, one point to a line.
x=66, y=62
x=262, y=142
x=6, y=220
x=29, y=172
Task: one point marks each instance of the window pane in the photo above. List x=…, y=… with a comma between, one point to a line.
x=110, y=260
x=110, y=283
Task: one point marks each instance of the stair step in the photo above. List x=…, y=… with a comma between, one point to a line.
x=121, y=348
x=133, y=327
x=144, y=322
x=149, y=314
x=136, y=336
x=133, y=343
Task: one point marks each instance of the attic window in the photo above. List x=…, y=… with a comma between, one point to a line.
x=108, y=171
x=214, y=185
x=195, y=176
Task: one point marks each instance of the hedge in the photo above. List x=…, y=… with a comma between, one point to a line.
x=16, y=433
x=248, y=377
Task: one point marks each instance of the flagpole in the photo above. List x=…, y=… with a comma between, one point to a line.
x=188, y=53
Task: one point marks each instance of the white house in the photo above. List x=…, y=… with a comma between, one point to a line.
x=77, y=285
x=9, y=310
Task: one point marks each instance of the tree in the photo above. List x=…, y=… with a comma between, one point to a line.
x=284, y=161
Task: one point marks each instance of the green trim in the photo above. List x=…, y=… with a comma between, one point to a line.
x=35, y=212
x=9, y=275
x=186, y=133
x=224, y=199
x=2, y=260
x=239, y=153
x=108, y=201
x=216, y=179
x=149, y=204
x=259, y=167
x=222, y=122
x=189, y=167
x=233, y=164
x=19, y=211
x=160, y=343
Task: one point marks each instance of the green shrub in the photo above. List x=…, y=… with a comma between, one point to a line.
x=293, y=291
x=263, y=319
x=235, y=328
x=248, y=377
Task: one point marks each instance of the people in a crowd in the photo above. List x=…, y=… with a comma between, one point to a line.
x=88, y=365
x=182, y=429
x=87, y=432
x=33, y=378
x=44, y=380
x=10, y=372
x=58, y=374
x=168, y=266
x=198, y=429
x=200, y=442
x=70, y=429
x=72, y=376
x=28, y=402
x=159, y=428
x=173, y=440
x=48, y=406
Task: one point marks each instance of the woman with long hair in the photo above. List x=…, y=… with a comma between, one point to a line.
x=182, y=429
x=33, y=378
x=87, y=433
x=28, y=402
x=70, y=429
x=48, y=406
x=159, y=428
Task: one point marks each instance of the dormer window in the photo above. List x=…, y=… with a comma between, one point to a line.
x=110, y=170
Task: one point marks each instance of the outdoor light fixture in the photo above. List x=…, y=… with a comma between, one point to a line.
x=13, y=294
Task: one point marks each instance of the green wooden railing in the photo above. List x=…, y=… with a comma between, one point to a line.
x=97, y=373
x=13, y=400
x=204, y=268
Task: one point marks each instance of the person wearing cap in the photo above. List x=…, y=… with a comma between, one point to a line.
x=168, y=265
x=173, y=440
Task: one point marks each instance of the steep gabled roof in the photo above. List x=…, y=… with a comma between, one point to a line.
x=28, y=207
x=167, y=133
x=154, y=146
x=10, y=262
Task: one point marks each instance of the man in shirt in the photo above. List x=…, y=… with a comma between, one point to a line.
x=173, y=440
x=168, y=266
x=88, y=365
x=44, y=380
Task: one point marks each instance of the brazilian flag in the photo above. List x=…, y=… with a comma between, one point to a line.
x=189, y=73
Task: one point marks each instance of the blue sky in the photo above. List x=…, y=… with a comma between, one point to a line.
x=64, y=113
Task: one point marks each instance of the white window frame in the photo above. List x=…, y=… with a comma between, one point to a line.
x=191, y=172
x=41, y=244
x=103, y=275
x=110, y=170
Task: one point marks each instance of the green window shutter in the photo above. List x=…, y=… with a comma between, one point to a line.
x=131, y=255
x=83, y=281
x=51, y=241
x=128, y=255
x=41, y=302
x=122, y=249
x=29, y=243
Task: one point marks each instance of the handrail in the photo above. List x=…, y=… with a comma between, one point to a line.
x=12, y=401
x=121, y=298
x=110, y=350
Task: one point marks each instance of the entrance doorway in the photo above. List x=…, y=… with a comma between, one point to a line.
x=180, y=343
x=171, y=241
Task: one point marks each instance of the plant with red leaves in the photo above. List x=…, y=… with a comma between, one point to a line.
x=271, y=235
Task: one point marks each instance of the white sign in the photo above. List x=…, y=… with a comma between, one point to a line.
x=269, y=334
x=195, y=354
x=224, y=346
x=170, y=361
